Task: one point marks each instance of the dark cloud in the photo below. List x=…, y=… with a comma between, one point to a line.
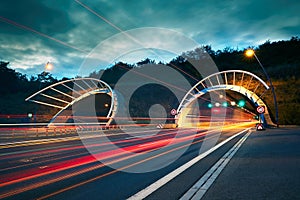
x=232, y=23
x=37, y=15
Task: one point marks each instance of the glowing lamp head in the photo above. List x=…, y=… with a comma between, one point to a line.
x=249, y=52
x=48, y=66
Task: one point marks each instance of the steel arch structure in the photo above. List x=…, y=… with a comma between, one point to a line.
x=244, y=82
x=66, y=93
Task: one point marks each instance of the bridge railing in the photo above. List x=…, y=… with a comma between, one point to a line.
x=48, y=132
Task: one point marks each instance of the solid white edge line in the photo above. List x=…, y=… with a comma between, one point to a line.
x=198, y=190
x=159, y=183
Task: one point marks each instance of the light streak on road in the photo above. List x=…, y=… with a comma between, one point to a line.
x=122, y=168
x=56, y=167
x=65, y=158
x=60, y=166
x=117, y=170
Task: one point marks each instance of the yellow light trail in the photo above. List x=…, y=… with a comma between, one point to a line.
x=117, y=170
x=50, y=181
x=33, y=186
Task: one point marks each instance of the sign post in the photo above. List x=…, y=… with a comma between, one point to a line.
x=261, y=111
x=260, y=127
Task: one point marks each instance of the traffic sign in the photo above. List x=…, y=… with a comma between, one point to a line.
x=260, y=109
x=173, y=111
x=260, y=127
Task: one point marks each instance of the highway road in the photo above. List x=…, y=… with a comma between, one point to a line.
x=64, y=168
x=267, y=166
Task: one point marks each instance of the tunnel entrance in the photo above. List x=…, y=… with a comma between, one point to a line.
x=250, y=87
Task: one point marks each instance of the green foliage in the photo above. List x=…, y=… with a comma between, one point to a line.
x=281, y=60
x=288, y=95
x=11, y=81
x=15, y=87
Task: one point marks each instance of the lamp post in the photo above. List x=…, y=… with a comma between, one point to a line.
x=251, y=53
x=47, y=67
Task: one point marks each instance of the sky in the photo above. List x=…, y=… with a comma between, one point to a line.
x=65, y=32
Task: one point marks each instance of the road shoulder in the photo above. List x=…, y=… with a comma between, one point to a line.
x=266, y=167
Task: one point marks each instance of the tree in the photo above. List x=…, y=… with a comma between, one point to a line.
x=46, y=77
x=10, y=81
x=146, y=61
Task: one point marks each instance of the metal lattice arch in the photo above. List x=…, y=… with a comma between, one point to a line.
x=66, y=93
x=244, y=82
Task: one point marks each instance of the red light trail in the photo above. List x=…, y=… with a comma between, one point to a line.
x=61, y=163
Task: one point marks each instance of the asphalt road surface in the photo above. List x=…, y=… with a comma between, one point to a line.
x=267, y=166
x=62, y=168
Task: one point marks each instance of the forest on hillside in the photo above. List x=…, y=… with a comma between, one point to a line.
x=281, y=60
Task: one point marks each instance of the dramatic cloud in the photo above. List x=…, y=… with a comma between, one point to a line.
x=65, y=32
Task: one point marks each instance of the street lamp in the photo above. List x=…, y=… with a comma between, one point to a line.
x=251, y=53
x=48, y=67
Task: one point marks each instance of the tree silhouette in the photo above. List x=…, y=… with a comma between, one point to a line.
x=281, y=59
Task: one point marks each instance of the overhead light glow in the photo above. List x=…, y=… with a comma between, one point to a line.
x=241, y=103
x=249, y=52
x=225, y=104
x=48, y=66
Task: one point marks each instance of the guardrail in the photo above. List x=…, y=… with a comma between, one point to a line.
x=52, y=131
x=20, y=132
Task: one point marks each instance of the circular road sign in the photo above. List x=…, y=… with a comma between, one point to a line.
x=173, y=111
x=260, y=109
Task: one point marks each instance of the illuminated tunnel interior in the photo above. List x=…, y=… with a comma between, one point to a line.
x=225, y=107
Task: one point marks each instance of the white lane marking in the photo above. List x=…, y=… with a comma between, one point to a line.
x=203, y=184
x=159, y=183
x=129, y=138
x=39, y=140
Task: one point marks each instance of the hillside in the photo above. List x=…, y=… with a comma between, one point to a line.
x=281, y=60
